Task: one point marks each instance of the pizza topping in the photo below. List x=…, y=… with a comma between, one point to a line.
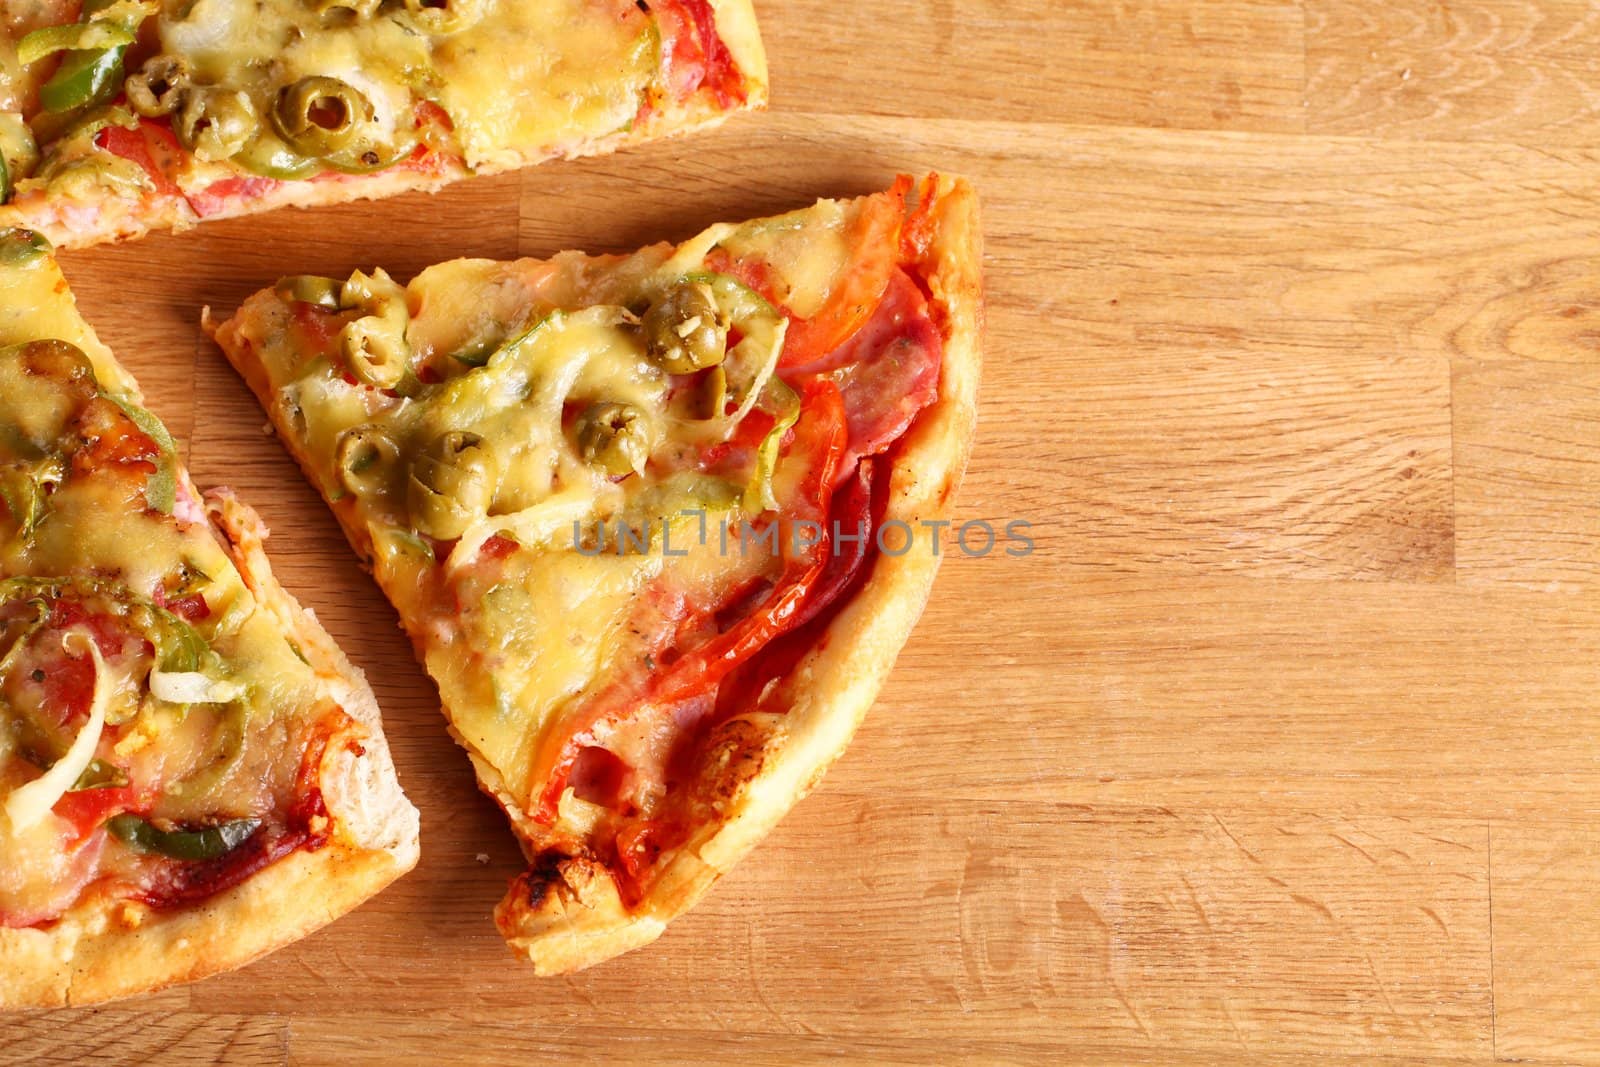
x=132, y=143
x=546, y=72
x=29, y=803
x=374, y=345
x=204, y=843
x=889, y=371
x=451, y=483
x=685, y=330
x=698, y=57
x=193, y=687
x=749, y=365
x=614, y=437
x=758, y=493
x=442, y=17
x=159, y=86
x=91, y=73
x=79, y=36
x=215, y=123
x=319, y=115
x=311, y=289
x=365, y=459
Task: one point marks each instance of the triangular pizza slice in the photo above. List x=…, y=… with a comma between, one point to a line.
x=122, y=116
x=657, y=524
x=191, y=773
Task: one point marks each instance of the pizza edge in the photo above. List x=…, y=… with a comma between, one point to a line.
x=569, y=918
x=92, y=955
x=127, y=220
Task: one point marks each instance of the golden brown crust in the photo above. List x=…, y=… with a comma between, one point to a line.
x=560, y=916
x=100, y=952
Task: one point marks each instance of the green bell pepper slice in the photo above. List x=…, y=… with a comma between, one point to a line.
x=208, y=843
x=269, y=157
x=161, y=490
x=785, y=402
x=83, y=79
x=91, y=72
x=93, y=36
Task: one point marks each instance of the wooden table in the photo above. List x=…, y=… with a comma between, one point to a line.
x=1283, y=743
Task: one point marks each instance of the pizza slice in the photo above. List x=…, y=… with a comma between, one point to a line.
x=122, y=116
x=657, y=524
x=191, y=773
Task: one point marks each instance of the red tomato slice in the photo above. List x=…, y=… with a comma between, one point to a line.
x=135, y=145
x=639, y=845
x=88, y=809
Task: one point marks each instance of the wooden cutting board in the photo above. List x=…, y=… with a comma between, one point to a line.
x=1283, y=743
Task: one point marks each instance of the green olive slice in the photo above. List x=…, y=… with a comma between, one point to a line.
x=685, y=329
x=452, y=484
x=319, y=115
x=215, y=124
x=352, y=9
x=614, y=437
x=309, y=289
x=19, y=247
x=440, y=17
x=159, y=86
x=375, y=350
x=364, y=459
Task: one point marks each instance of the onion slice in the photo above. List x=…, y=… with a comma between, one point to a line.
x=30, y=802
x=192, y=687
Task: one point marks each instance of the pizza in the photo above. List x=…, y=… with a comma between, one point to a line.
x=122, y=116
x=191, y=773
x=657, y=524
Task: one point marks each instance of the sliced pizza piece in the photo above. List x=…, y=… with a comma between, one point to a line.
x=657, y=524
x=191, y=773
x=122, y=116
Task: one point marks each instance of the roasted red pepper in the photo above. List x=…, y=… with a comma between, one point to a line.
x=821, y=433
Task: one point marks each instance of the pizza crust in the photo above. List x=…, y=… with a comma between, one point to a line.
x=568, y=915
x=103, y=951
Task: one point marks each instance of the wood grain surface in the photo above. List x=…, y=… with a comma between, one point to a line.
x=1282, y=747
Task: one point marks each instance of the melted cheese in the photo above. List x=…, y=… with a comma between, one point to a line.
x=35, y=303
x=808, y=249
x=544, y=632
x=520, y=638
x=196, y=762
x=546, y=75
